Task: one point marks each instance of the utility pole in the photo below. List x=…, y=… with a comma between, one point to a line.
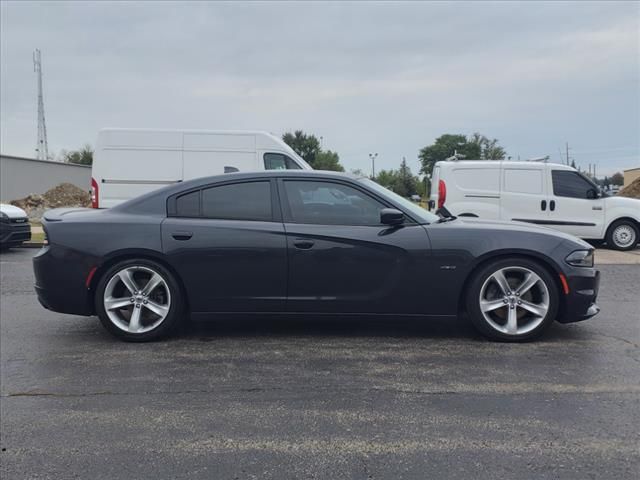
x=567, y=144
x=42, y=147
x=373, y=157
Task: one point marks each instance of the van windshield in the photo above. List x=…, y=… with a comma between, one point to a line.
x=417, y=211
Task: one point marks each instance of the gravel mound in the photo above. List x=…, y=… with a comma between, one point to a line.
x=632, y=190
x=63, y=195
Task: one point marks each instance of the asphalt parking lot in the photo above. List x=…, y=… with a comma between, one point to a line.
x=270, y=398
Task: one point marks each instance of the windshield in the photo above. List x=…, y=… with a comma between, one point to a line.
x=416, y=211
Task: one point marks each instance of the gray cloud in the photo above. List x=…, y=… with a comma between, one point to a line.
x=385, y=77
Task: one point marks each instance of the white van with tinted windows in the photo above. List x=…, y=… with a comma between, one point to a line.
x=553, y=195
x=130, y=162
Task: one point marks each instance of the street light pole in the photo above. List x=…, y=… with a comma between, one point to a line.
x=373, y=157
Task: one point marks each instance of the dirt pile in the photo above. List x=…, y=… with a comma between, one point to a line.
x=632, y=190
x=63, y=195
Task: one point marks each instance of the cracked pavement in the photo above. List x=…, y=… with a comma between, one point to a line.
x=274, y=398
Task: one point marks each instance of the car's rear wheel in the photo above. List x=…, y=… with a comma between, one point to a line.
x=138, y=300
x=622, y=235
x=512, y=300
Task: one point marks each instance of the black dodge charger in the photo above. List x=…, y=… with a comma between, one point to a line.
x=300, y=243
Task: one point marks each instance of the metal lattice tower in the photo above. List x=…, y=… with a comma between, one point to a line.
x=42, y=147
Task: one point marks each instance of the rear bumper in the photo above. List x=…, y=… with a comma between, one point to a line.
x=14, y=232
x=580, y=304
x=60, y=281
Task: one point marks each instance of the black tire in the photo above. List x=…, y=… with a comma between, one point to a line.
x=172, y=318
x=474, y=292
x=613, y=232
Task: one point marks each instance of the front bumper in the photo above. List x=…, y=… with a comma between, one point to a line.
x=14, y=231
x=580, y=303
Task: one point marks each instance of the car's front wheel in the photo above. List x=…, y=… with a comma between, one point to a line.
x=138, y=300
x=622, y=235
x=512, y=300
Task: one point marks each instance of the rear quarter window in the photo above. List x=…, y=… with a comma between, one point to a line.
x=519, y=180
x=477, y=179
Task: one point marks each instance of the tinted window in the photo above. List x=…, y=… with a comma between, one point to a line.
x=238, y=201
x=570, y=184
x=188, y=205
x=327, y=203
x=278, y=161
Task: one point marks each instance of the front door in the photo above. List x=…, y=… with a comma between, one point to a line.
x=343, y=260
x=228, y=246
x=574, y=208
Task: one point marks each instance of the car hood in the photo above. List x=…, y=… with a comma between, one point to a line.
x=499, y=225
x=11, y=211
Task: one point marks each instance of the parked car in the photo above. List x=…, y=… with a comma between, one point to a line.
x=130, y=162
x=14, y=226
x=556, y=196
x=250, y=243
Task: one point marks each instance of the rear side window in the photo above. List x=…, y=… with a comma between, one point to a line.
x=188, y=205
x=238, y=201
x=522, y=181
x=279, y=161
x=570, y=184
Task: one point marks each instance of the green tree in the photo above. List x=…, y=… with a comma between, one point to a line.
x=327, y=160
x=617, y=179
x=475, y=147
x=387, y=178
x=406, y=182
x=84, y=156
x=308, y=147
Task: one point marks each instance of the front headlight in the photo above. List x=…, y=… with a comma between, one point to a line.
x=580, y=258
x=4, y=217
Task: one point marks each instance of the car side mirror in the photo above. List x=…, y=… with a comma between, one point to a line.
x=391, y=216
x=592, y=194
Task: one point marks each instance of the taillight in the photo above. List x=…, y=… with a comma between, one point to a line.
x=442, y=193
x=94, y=193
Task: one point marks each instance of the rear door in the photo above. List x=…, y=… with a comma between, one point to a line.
x=227, y=244
x=523, y=196
x=342, y=260
x=573, y=209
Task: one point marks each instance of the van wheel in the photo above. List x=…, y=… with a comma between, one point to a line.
x=622, y=235
x=512, y=300
x=138, y=300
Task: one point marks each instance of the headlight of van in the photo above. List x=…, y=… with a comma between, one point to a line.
x=580, y=258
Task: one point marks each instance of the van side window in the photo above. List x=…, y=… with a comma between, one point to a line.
x=238, y=201
x=279, y=161
x=570, y=184
x=188, y=205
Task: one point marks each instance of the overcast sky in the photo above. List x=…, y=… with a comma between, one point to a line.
x=368, y=77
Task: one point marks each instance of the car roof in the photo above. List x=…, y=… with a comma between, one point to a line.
x=502, y=163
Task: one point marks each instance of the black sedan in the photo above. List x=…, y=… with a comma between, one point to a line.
x=300, y=243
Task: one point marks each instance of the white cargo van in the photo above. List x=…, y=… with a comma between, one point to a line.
x=128, y=163
x=552, y=195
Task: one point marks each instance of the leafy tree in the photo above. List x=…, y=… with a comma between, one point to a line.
x=358, y=172
x=308, y=147
x=401, y=181
x=617, y=179
x=84, y=156
x=327, y=160
x=475, y=147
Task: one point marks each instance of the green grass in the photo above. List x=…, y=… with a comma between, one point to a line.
x=37, y=237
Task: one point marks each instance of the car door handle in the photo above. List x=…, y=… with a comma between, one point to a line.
x=552, y=205
x=303, y=243
x=182, y=235
x=543, y=205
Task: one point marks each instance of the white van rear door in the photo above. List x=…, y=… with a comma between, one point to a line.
x=524, y=194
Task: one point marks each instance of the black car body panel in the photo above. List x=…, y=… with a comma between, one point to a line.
x=229, y=265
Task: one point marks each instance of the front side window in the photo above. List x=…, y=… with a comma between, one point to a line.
x=238, y=201
x=328, y=203
x=570, y=184
x=279, y=161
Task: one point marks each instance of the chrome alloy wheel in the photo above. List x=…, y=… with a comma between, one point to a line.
x=624, y=236
x=514, y=300
x=137, y=299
